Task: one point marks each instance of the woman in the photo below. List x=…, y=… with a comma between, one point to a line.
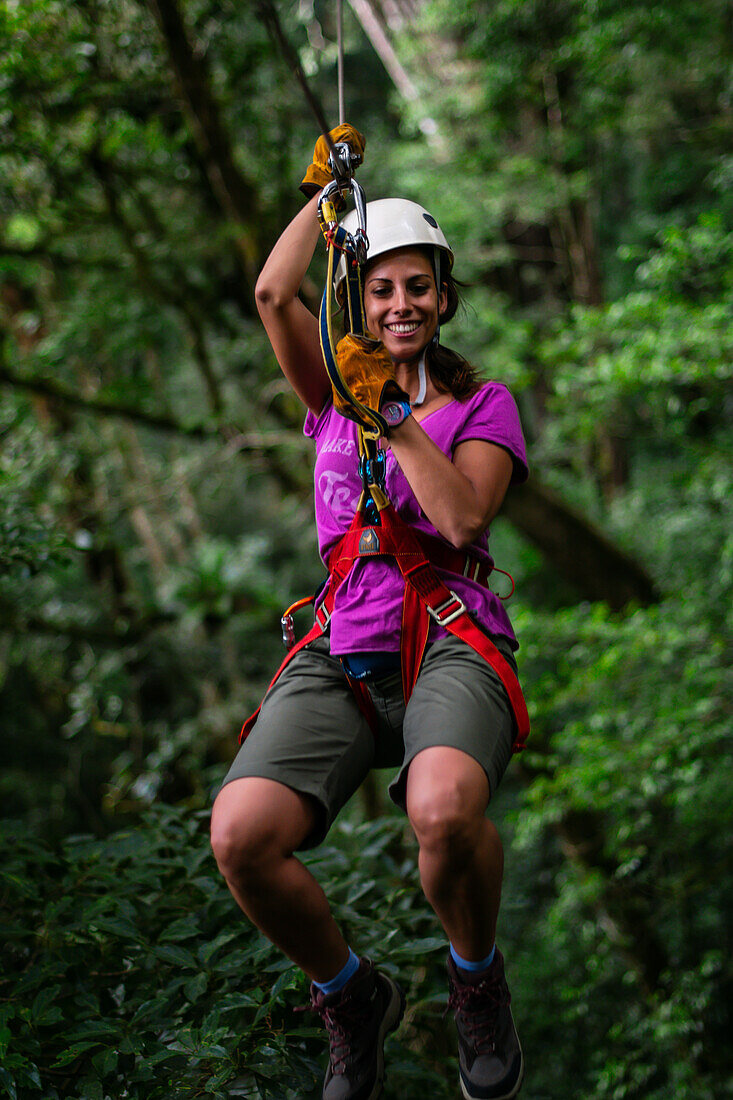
x=452, y=453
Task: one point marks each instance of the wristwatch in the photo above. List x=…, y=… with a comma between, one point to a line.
x=395, y=412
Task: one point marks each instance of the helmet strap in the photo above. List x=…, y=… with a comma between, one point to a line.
x=436, y=269
x=423, y=384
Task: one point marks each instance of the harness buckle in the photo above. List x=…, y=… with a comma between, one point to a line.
x=442, y=614
x=472, y=568
x=323, y=617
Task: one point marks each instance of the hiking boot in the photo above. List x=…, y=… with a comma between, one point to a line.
x=358, y=1018
x=489, y=1055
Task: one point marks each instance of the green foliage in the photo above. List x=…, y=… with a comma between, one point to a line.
x=142, y=916
x=657, y=363
x=632, y=772
x=131, y=970
x=28, y=544
x=549, y=107
x=25, y=544
x=126, y=970
x=156, y=517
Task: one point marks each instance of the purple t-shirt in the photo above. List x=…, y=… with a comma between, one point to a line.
x=368, y=609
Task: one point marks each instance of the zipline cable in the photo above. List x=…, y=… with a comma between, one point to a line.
x=340, y=41
x=342, y=163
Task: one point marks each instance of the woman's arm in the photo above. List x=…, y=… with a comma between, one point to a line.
x=290, y=325
x=459, y=497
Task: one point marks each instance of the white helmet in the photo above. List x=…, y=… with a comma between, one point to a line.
x=396, y=223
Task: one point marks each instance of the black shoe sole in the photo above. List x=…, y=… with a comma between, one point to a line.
x=504, y=1096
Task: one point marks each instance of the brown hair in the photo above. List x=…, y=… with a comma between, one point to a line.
x=450, y=372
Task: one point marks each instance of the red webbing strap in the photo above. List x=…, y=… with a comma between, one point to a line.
x=315, y=632
x=414, y=638
x=470, y=632
x=364, y=702
x=432, y=593
x=338, y=573
x=368, y=541
x=423, y=590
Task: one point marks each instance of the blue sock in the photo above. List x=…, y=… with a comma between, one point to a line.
x=472, y=967
x=352, y=965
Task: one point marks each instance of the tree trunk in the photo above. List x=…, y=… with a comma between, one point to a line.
x=236, y=196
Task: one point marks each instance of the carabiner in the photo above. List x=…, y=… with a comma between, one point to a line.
x=287, y=623
x=328, y=219
x=372, y=469
x=361, y=240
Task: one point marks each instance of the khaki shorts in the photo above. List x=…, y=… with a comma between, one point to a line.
x=311, y=735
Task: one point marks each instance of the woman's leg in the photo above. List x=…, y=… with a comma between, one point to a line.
x=459, y=700
x=256, y=826
x=461, y=857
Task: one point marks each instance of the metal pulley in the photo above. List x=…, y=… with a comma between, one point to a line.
x=343, y=161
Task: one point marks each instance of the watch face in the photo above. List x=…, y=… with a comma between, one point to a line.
x=394, y=413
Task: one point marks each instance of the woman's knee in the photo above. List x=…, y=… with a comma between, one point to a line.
x=442, y=824
x=446, y=801
x=255, y=823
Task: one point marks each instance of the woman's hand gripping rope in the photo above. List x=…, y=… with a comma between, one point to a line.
x=367, y=369
x=319, y=172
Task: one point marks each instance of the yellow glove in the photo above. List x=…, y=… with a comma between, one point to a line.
x=319, y=173
x=367, y=369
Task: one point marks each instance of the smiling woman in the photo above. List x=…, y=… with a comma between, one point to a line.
x=397, y=226
x=402, y=305
x=447, y=712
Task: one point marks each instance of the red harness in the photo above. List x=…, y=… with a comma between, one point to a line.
x=425, y=597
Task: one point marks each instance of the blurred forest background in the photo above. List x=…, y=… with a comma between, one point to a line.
x=156, y=516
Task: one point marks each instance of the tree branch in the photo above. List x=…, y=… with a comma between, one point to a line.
x=292, y=477
x=104, y=172
x=45, y=387
x=365, y=12
x=580, y=552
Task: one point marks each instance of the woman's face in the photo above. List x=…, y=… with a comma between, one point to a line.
x=401, y=302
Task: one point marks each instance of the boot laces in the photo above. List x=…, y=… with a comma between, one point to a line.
x=479, y=1007
x=343, y=1022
